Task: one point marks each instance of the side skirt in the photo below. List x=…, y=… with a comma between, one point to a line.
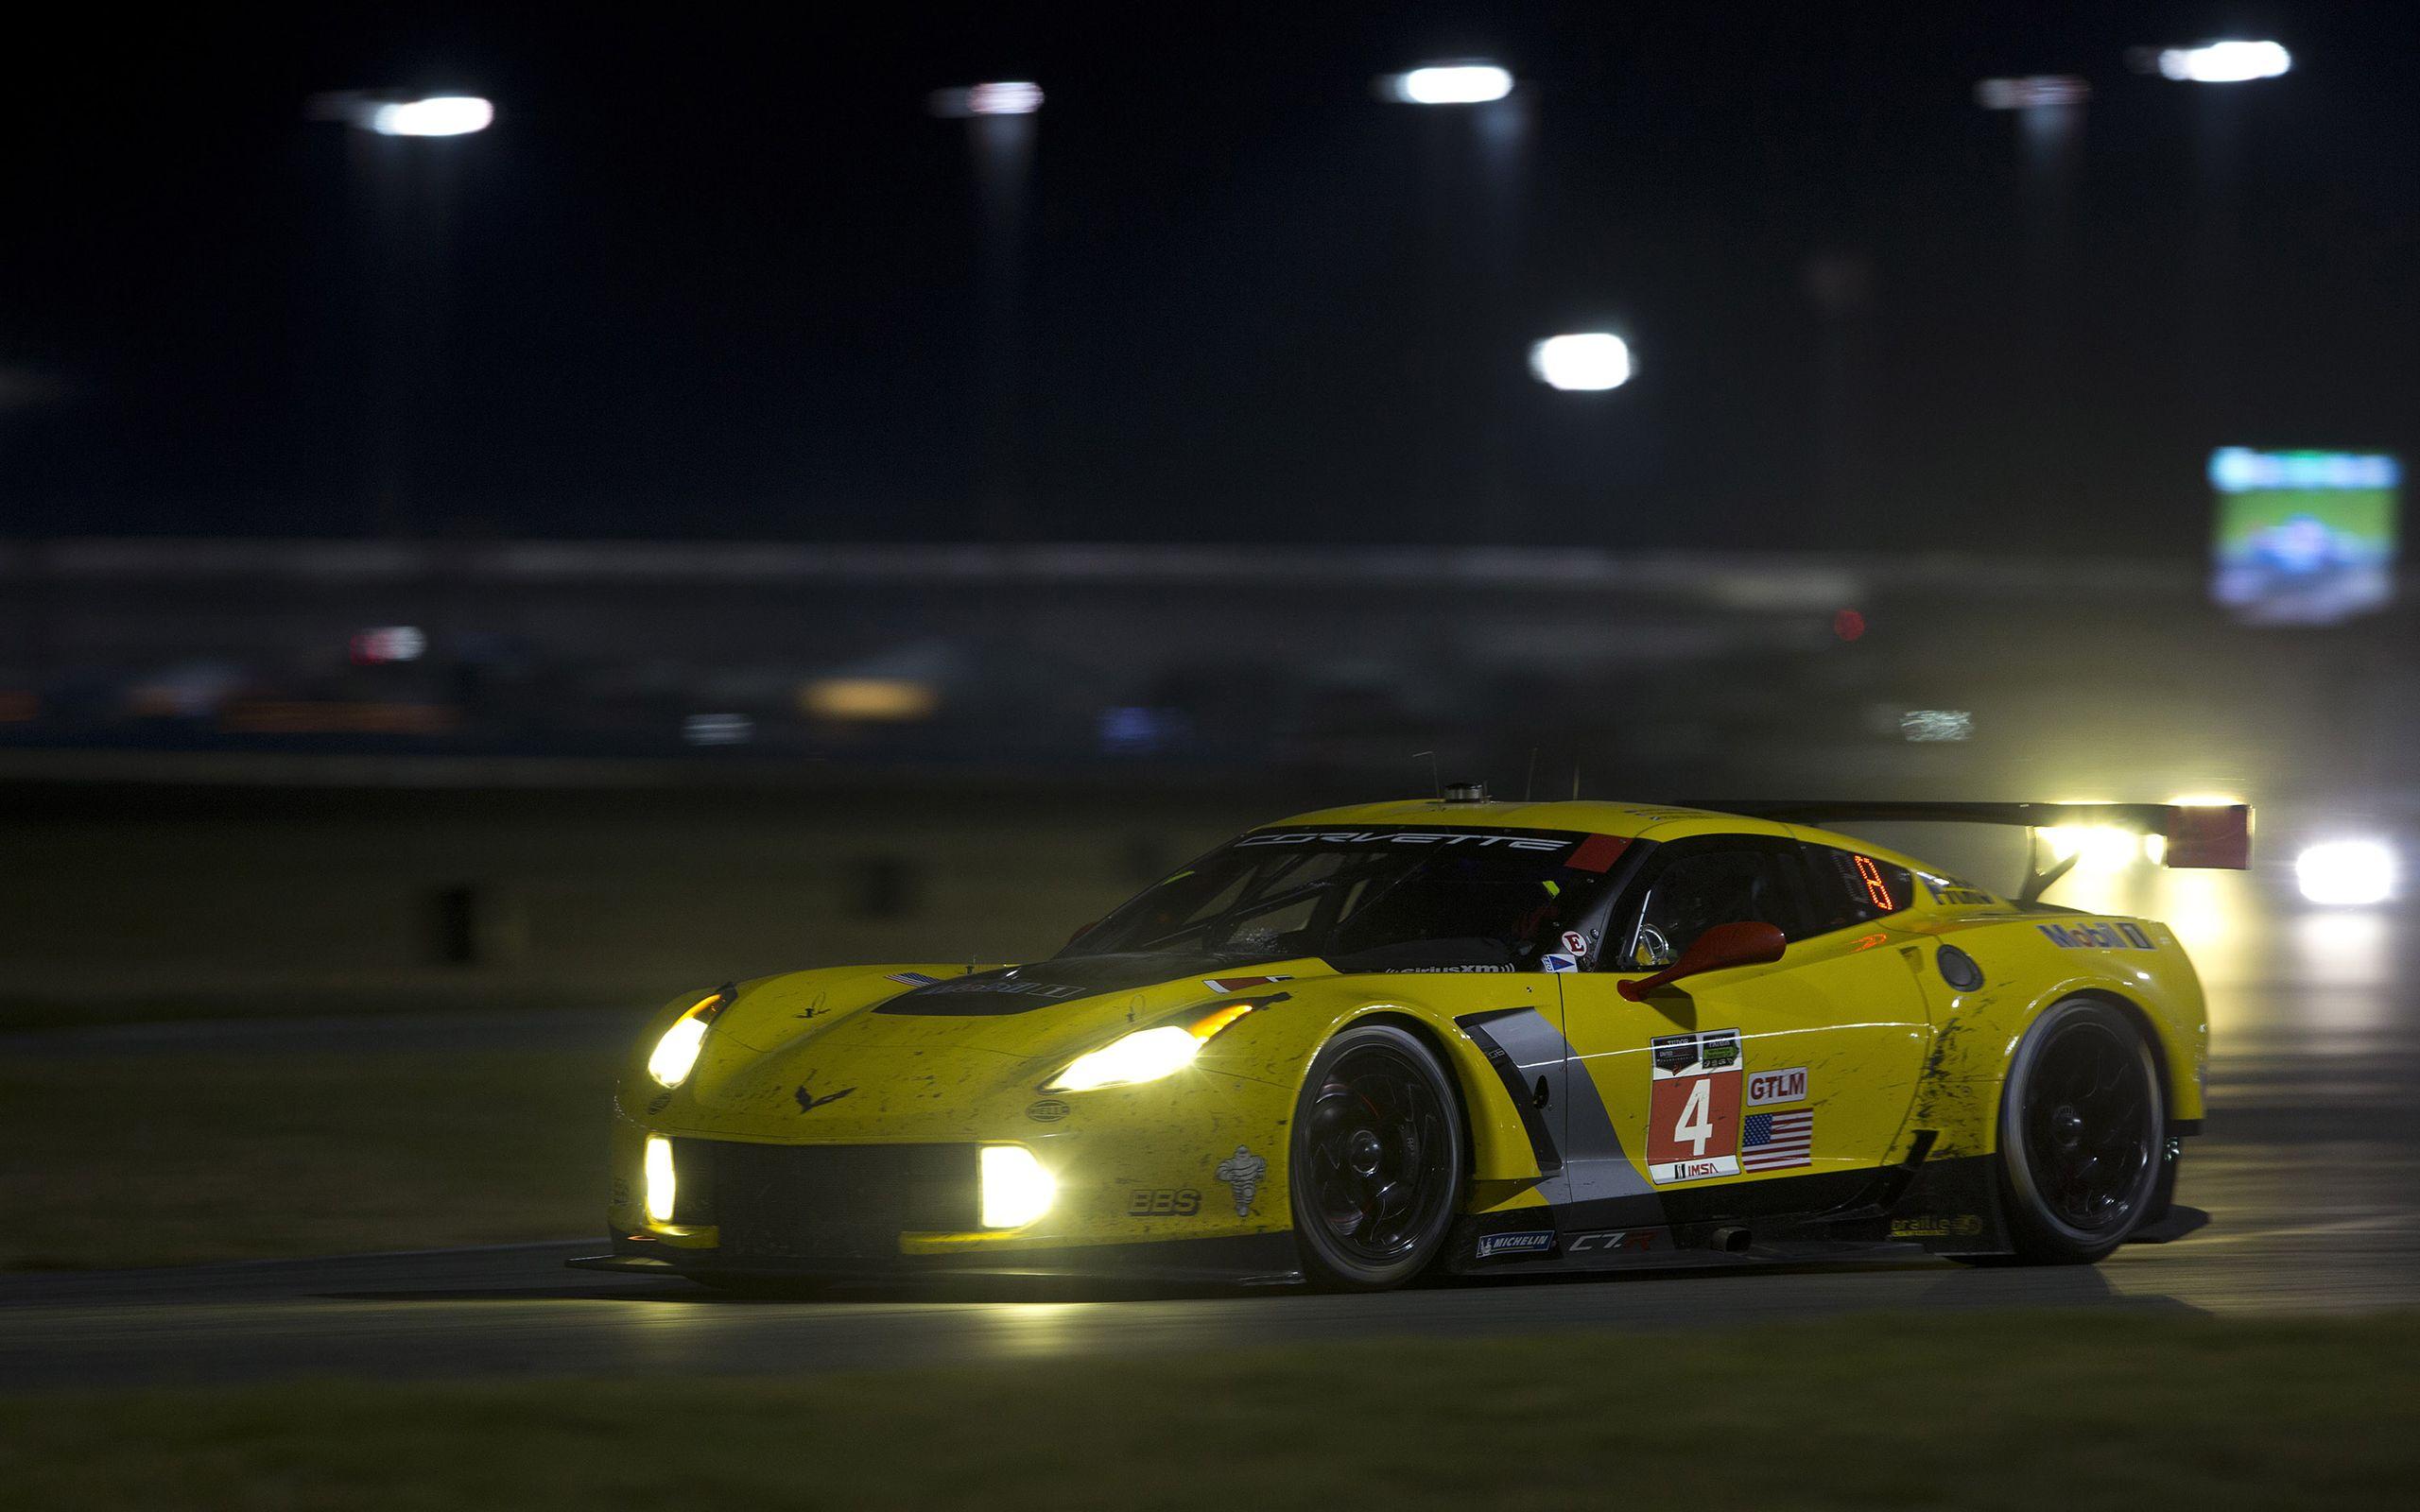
x=1938, y=1206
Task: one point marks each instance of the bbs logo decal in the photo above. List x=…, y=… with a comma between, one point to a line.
x=1163, y=1203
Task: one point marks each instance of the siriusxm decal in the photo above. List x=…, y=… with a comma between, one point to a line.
x=1523, y=1243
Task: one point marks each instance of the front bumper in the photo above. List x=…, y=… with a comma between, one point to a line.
x=892, y=1210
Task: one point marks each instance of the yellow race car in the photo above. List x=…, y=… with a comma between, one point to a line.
x=1453, y=1035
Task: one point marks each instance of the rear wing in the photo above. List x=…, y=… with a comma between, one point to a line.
x=2195, y=835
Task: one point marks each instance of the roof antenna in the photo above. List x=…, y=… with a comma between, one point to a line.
x=1435, y=791
x=1575, y=779
x=1531, y=785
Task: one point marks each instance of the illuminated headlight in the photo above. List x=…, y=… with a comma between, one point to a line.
x=1146, y=1054
x=662, y=1184
x=2352, y=872
x=1016, y=1187
x=676, y=1055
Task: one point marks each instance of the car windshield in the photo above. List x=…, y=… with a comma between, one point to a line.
x=1370, y=900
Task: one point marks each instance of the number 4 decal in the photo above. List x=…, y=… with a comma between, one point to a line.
x=1693, y=1106
x=1694, y=1126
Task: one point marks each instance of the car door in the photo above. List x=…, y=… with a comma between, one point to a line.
x=1746, y=1075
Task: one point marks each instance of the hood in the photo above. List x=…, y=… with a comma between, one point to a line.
x=939, y=1058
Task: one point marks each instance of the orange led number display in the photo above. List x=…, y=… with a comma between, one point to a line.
x=1874, y=887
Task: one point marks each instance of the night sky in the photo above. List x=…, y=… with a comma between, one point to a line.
x=715, y=273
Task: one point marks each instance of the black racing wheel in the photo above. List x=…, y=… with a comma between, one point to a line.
x=2082, y=1121
x=1377, y=1161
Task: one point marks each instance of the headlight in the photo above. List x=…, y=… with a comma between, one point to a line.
x=1146, y=1054
x=2353, y=872
x=662, y=1184
x=676, y=1055
x=1016, y=1187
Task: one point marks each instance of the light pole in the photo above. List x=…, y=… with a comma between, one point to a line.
x=1000, y=130
x=2209, y=342
x=2048, y=111
x=1479, y=114
x=408, y=242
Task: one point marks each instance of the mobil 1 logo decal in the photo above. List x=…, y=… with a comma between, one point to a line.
x=1693, y=1106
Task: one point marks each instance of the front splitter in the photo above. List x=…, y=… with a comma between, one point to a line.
x=1248, y=1260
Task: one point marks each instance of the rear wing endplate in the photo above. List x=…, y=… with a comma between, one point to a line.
x=2197, y=835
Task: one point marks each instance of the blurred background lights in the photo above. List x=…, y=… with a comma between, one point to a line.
x=1010, y=98
x=436, y=115
x=998, y=98
x=2030, y=91
x=2348, y=873
x=718, y=730
x=1463, y=83
x=2224, y=62
x=1937, y=724
x=390, y=642
x=875, y=698
x=1588, y=362
x=2095, y=847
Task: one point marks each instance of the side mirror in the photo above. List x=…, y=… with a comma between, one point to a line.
x=1723, y=946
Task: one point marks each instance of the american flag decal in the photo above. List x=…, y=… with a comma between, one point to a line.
x=1767, y=1142
x=912, y=978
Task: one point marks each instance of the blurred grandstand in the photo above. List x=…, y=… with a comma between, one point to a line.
x=764, y=662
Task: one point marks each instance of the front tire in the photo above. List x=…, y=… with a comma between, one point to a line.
x=2081, y=1123
x=1377, y=1163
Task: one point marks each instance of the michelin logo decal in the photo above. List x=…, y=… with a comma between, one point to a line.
x=1529, y=1244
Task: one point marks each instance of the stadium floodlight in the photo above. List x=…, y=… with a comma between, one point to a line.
x=393, y=113
x=1000, y=97
x=1585, y=362
x=434, y=115
x=2224, y=62
x=1474, y=81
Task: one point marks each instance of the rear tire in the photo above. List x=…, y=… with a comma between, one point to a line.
x=2080, y=1131
x=1377, y=1163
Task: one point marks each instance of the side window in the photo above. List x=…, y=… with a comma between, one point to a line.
x=1850, y=889
x=1696, y=884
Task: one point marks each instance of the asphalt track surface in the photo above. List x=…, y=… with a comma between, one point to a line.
x=2310, y=1172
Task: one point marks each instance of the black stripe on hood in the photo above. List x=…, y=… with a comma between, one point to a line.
x=1047, y=983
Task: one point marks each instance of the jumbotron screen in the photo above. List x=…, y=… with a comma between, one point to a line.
x=2304, y=537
